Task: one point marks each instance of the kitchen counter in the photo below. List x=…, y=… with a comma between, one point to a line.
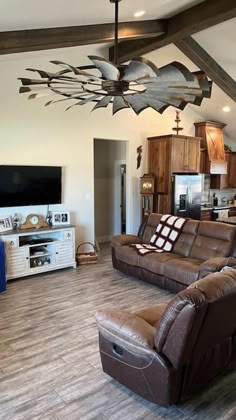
x=227, y=206
x=230, y=220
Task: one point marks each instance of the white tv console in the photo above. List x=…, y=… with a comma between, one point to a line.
x=33, y=251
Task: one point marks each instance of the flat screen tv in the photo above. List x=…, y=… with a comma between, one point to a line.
x=29, y=185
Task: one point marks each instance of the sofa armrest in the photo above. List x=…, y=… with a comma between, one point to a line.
x=125, y=239
x=126, y=326
x=217, y=263
x=153, y=314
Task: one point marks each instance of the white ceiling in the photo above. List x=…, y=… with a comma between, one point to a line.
x=32, y=14
x=219, y=41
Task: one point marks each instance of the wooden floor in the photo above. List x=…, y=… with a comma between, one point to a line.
x=49, y=359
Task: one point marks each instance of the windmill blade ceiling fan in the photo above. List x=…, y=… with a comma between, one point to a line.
x=137, y=85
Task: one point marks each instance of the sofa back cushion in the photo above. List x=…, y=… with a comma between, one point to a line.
x=219, y=323
x=186, y=239
x=150, y=229
x=213, y=240
x=179, y=326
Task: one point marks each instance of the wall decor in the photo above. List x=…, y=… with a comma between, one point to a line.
x=60, y=218
x=177, y=120
x=5, y=223
x=137, y=85
x=139, y=156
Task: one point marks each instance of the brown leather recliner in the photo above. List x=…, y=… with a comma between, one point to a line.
x=167, y=352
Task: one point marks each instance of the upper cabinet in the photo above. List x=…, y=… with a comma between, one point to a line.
x=185, y=154
x=212, y=139
x=222, y=181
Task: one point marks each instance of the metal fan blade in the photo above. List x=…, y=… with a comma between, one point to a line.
x=103, y=103
x=139, y=68
x=136, y=102
x=119, y=103
x=27, y=82
x=39, y=95
x=109, y=70
x=157, y=105
x=76, y=70
x=43, y=74
x=163, y=98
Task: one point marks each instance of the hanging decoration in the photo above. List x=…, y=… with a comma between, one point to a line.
x=136, y=85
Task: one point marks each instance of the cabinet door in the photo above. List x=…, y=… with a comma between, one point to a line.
x=232, y=212
x=64, y=253
x=159, y=162
x=193, y=154
x=206, y=215
x=232, y=170
x=17, y=261
x=179, y=155
x=222, y=181
x=185, y=154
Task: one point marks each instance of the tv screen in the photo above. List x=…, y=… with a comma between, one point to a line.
x=29, y=185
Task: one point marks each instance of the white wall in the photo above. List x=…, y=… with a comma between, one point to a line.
x=33, y=135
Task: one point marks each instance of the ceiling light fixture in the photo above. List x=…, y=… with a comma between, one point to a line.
x=139, y=13
x=137, y=85
x=226, y=109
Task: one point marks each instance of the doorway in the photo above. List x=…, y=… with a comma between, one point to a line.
x=109, y=188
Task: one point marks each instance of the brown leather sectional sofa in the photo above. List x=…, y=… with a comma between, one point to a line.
x=202, y=247
x=167, y=352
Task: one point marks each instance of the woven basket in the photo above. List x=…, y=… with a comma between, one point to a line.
x=89, y=257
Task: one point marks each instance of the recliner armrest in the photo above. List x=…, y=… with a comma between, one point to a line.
x=126, y=239
x=217, y=263
x=126, y=326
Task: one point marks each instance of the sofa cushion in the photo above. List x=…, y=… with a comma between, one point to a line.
x=156, y=262
x=186, y=239
x=128, y=255
x=153, y=221
x=183, y=270
x=213, y=240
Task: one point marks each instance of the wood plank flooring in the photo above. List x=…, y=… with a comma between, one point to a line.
x=49, y=359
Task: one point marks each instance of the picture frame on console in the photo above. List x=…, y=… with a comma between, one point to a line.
x=60, y=218
x=5, y=223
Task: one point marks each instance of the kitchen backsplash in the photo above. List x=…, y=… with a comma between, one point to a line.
x=207, y=195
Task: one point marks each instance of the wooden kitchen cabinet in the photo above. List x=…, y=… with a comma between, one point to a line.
x=206, y=215
x=167, y=155
x=185, y=154
x=228, y=180
x=212, y=139
x=232, y=212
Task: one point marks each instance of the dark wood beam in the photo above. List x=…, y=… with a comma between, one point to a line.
x=48, y=38
x=206, y=63
x=197, y=18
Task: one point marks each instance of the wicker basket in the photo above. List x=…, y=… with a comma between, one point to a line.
x=89, y=257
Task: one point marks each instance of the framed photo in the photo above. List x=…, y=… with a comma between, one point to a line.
x=5, y=223
x=60, y=218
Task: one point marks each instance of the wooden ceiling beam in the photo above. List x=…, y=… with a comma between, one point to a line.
x=49, y=38
x=206, y=63
x=197, y=18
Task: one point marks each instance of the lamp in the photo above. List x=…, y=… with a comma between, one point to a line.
x=136, y=85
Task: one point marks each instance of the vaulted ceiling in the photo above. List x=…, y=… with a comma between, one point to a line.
x=205, y=31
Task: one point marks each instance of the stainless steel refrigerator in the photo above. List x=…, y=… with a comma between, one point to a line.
x=186, y=195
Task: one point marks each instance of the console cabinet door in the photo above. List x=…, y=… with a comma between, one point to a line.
x=17, y=261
